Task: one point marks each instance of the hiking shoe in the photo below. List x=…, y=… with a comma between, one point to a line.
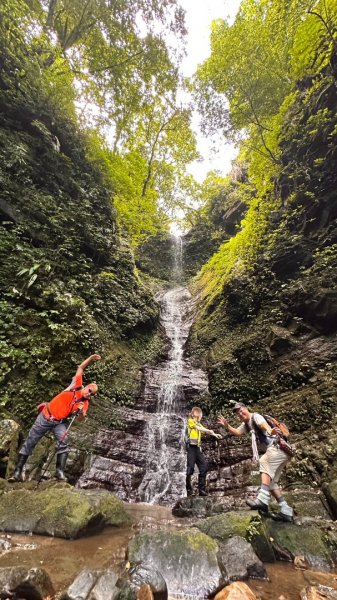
x=282, y=517
x=203, y=493
x=257, y=505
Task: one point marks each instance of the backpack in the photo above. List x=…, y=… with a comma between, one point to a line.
x=186, y=439
x=282, y=441
x=275, y=423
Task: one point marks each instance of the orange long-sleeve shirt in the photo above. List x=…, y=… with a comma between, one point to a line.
x=66, y=403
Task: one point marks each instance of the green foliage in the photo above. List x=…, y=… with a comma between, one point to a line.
x=66, y=278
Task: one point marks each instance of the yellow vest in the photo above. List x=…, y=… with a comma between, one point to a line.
x=194, y=435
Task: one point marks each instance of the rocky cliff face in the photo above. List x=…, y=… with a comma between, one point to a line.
x=144, y=459
x=269, y=338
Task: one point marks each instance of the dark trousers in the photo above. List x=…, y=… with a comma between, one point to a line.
x=196, y=457
x=39, y=429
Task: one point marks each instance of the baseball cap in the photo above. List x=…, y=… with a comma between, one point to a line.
x=238, y=405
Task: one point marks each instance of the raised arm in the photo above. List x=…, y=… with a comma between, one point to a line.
x=87, y=362
x=232, y=430
x=200, y=427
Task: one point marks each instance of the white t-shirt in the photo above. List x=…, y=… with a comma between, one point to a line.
x=263, y=438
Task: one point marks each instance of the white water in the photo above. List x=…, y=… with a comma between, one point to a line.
x=165, y=475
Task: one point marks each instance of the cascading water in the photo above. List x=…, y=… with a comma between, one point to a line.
x=164, y=478
x=145, y=460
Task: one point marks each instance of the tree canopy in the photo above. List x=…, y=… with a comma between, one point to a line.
x=107, y=67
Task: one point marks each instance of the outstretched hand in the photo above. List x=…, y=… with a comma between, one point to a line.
x=218, y=436
x=222, y=421
x=95, y=357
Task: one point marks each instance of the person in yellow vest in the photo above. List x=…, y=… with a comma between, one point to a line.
x=194, y=453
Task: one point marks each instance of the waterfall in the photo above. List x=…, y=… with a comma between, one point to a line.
x=165, y=470
x=145, y=459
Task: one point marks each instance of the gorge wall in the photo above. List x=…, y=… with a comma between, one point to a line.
x=268, y=338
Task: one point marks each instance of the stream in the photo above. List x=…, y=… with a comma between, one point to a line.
x=64, y=559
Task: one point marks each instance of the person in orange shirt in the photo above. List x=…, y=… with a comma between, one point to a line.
x=53, y=417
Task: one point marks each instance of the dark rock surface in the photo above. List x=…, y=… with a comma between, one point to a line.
x=30, y=584
x=240, y=561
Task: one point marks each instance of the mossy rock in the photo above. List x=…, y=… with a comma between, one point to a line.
x=302, y=539
x=188, y=560
x=308, y=503
x=246, y=524
x=60, y=511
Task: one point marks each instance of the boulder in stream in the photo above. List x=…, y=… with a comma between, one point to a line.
x=246, y=524
x=306, y=539
x=236, y=591
x=188, y=560
x=93, y=585
x=138, y=582
x=60, y=511
x=239, y=560
x=144, y=582
x=321, y=592
x=20, y=582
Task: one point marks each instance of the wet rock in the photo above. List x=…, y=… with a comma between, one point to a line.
x=144, y=583
x=196, y=507
x=60, y=511
x=240, y=561
x=246, y=524
x=304, y=539
x=193, y=507
x=5, y=545
x=81, y=586
x=105, y=587
x=279, y=340
x=10, y=432
x=308, y=503
x=330, y=492
x=145, y=459
x=321, y=592
x=115, y=476
x=30, y=584
x=236, y=591
x=187, y=560
x=320, y=312
x=300, y=562
x=139, y=583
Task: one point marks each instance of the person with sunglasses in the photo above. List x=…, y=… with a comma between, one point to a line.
x=272, y=461
x=53, y=417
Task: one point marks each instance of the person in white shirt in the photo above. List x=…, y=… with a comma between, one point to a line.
x=272, y=461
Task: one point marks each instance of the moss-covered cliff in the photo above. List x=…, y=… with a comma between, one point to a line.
x=266, y=329
x=68, y=282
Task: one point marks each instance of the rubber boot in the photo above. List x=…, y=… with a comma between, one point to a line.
x=202, y=485
x=61, y=460
x=17, y=475
x=189, y=488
